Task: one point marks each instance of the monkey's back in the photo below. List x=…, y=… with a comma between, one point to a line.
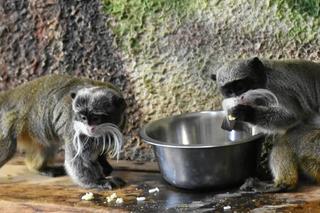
x=302, y=68
x=298, y=81
x=42, y=108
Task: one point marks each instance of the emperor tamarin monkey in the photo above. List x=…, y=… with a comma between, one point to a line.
x=53, y=111
x=296, y=85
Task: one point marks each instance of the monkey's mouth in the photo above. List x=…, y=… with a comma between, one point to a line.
x=92, y=131
x=100, y=130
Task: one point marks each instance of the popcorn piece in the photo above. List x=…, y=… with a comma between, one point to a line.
x=119, y=200
x=231, y=118
x=154, y=190
x=139, y=199
x=227, y=208
x=114, y=195
x=88, y=196
x=111, y=197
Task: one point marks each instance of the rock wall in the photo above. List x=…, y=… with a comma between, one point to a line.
x=172, y=47
x=39, y=37
x=159, y=52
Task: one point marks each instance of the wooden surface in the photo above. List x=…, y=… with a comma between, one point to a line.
x=23, y=191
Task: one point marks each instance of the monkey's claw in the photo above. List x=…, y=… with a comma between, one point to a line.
x=54, y=171
x=254, y=185
x=111, y=183
x=116, y=182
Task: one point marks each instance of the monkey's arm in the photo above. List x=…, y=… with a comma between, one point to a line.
x=87, y=172
x=284, y=167
x=271, y=118
x=106, y=167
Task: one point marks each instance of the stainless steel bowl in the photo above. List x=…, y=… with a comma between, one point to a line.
x=194, y=152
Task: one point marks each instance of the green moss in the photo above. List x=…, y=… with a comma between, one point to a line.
x=304, y=16
x=170, y=47
x=131, y=16
x=138, y=19
x=303, y=7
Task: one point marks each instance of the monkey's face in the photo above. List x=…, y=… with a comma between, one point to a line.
x=96, y=109
x=238, y=77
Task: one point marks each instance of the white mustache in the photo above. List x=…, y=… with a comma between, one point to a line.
x=112, y=139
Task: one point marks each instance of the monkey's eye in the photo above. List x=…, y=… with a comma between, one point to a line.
x=241, y=87
x=229, y=93
x=95, y=116
x=83, y=117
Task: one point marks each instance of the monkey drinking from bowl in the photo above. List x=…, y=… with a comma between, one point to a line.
x=50, y=112
x=293, y=113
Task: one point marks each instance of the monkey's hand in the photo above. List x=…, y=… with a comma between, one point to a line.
x=110, y=183
x=274, y=118
x=244, y=113
x=106, y=167
x=254, y=185
x=89, y=174
x=87, y=171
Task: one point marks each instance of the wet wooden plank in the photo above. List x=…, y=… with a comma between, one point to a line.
x=30, y=207
x=135, y=166
x=116, y=164
x=23, y=191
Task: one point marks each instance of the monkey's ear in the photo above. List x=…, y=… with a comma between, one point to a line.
x=255, y=63
x=213, y=77
x=73, y=95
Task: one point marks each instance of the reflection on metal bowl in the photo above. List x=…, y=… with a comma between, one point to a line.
x=194, y=152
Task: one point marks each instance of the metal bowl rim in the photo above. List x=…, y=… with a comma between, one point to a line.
x=155, y=142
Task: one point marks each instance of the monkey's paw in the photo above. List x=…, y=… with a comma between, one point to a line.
x=110, y=183
x=254, y=185
x=53, y=171
x=243, y=113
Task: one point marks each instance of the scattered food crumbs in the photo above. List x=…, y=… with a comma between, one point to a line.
x=231, y=118
x=114, y=195
x=226, y=208
x=87, y=196
x=111, y=197
x=139, y=199
x=154, y=190
x=119, y=200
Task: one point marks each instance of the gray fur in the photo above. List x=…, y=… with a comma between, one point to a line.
x=84, y=168
x=43, y=109
x=296, y=84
